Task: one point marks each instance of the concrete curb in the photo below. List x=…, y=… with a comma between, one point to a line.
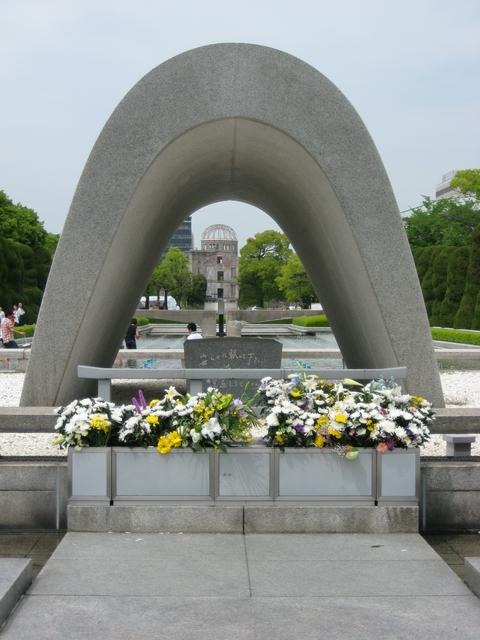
x=239, y=518
x=15, y=578
x=472, y=574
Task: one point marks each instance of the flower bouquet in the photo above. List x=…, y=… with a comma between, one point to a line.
x=91, y=422
x=307, y=412
x=211, y=419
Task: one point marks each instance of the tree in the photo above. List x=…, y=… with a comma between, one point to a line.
x=456, y=275
x=26, y=251
x=51, y=242
x=431, y=254
x=468, y=182
x=439, y=284
x=198, y=291
x=173, y=275
x=294, y=282
x=449, y=222
x=465, y=315
x=260, y=264
x=20, y=223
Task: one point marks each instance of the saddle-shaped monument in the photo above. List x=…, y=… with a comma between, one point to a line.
x=232, y=122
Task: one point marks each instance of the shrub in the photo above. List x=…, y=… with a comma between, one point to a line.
x=429, y=255
x=312, y=321
x=456, y=275
x=25, y=331
x=279, y=321
x=464, y=318
x=456, y=335
x=143, y=320
x=439, y=284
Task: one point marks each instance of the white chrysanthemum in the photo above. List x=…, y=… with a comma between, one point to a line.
x=272, y=420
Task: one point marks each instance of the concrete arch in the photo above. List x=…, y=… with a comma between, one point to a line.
x=232, y=121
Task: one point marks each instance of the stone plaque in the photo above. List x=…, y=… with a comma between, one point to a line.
x=233, y=353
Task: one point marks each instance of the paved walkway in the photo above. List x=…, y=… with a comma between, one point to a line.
x=228, y=587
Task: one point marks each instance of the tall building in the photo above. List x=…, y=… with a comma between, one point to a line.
x=217, y=260
x=182, y=238
x=444, y=190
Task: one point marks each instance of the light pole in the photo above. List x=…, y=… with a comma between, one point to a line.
x=221, y=315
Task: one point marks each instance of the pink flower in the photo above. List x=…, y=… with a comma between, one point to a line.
x=382, y=447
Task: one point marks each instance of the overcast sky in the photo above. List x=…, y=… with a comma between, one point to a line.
x=410, y=68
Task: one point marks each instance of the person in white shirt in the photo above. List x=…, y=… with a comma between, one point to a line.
x=192, y=332
x=19, y=313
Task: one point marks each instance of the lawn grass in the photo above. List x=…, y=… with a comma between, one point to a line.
x=457, y=335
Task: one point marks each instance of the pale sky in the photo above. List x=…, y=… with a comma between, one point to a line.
x=410, y=69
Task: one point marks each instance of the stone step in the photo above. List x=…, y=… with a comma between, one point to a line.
x=472, y=574
x=15, y=578
x=242, y=518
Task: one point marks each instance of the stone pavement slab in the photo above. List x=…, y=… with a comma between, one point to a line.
x=342, y=547
x=281, y=586
x=146, y=565
x=15, y=578
x=363, y=618
x=127, y=618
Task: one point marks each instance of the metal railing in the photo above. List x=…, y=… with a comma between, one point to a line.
x=195, y=377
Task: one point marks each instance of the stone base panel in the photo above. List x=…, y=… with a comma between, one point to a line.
x=285, y=518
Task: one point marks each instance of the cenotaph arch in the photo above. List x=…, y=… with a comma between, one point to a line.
x=232, y=122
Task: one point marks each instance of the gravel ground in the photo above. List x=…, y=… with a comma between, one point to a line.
x=461, y=389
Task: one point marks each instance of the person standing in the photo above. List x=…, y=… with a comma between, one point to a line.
x=7, y=333
x=192, y=332
x=132, y=335
x=20, y=315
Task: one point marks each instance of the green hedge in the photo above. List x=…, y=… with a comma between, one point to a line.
x=143, y=320
x=312, y=321
x=456, y=335
x=25, y=331
x=279, y=321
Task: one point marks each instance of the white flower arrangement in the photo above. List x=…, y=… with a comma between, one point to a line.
x=307, y=412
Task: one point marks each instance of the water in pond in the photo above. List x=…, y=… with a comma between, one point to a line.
x=323, y=340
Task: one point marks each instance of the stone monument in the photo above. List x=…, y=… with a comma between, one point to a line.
x=232, y=122
x=233, y=353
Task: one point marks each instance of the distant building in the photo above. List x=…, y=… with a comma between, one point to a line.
x=217, y=260
x=444, y=190
x=182, y=237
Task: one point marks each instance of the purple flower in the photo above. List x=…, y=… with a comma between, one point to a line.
x=391, y=444
x=298, y=427
x=139, y=403
x=237, y=402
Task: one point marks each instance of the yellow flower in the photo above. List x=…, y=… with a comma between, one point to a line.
x=152, y=420
x=319, y=441
x=370, y=424
x=174, y=439
x=163, y=445
x=341, y=417
x=295, y=393
x=322, y=421
x=334, y=433
x=279, y=438
x=152, y=403
x=417, y=401
x=97, y=422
